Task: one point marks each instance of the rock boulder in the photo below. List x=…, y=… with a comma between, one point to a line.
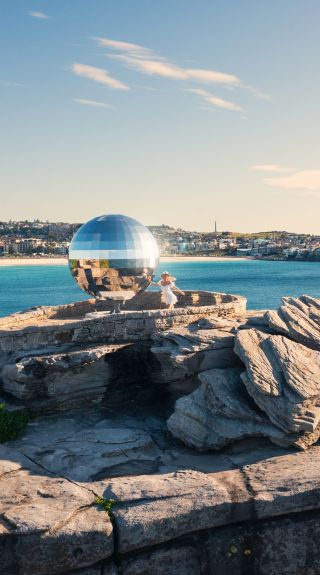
x=220, y=412
x=283, y=377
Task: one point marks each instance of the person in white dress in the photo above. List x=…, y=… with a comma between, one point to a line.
x=168, y=288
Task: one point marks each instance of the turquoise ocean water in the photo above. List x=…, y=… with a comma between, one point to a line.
x=262, y=282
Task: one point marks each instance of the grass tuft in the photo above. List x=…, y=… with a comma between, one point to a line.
x=12, y=423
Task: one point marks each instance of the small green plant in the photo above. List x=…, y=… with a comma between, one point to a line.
x=12, y=423
x=73, y=264
x=107, y=504
x=104, y=264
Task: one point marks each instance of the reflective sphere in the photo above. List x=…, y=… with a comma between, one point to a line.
x=113, y=256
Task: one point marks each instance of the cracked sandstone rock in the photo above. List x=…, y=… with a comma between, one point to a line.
x=55, y=518
x=283, y=377
x=186, y=351
x=84, y=452
x=58, y=380
x=298, y=319
x=220, y=412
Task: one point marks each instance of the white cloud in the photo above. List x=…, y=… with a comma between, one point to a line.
x=134, y=49
x=98, y=75
x=148, y=62
x=153, y=67
x=270, y=168
x=40, y=15
x=212, y=77
x=93, y=103
x=302, y=180
x=216, y=101
x=165, y=69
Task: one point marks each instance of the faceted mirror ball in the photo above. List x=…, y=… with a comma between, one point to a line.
x=113, y=257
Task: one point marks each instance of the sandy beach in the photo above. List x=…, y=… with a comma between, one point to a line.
x=6, y=262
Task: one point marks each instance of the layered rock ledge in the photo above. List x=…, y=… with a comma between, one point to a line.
x=198, y=433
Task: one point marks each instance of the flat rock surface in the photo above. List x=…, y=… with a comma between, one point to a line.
x=155, y=509
x=54, y=517
x=169, y=498
x=159, y=508
x=84, y=450
x=285, y=484
x=185, y=492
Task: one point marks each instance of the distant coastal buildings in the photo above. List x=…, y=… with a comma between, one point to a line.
x=53, y=238
x=265, y=245
x=35, y=238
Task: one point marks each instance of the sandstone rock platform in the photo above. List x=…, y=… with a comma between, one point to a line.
x=176, y=510
x=163, y=444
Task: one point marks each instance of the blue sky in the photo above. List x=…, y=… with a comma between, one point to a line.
x=174, y=111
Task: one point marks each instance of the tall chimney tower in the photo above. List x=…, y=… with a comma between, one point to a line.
x=215, y=227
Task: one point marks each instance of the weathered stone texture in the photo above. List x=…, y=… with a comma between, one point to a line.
x=156, y=509
x=174, y=560
x=81, y=451
x=59, y=380
x=190, y=350
x=283, y=378
x=220, y=412
x=252, y=509
x=49, y=326
x=283, y=547
x=50, y=516
x=288, y=546
x=47, y=525
x=299, y=319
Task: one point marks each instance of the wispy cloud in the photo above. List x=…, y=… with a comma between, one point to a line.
x=258, y=93
x=212, y=77
x=215, y=101
x=40, y=15
x=163, y=68
x=127, y=47
x=149, y=62
x=98, y=75
x=93, y=103
x=308, y=180
x=275, y=168
x=152, y=67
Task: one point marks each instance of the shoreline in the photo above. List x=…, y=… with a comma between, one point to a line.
x=10, y=262
x=60, y=261
x=173, y=259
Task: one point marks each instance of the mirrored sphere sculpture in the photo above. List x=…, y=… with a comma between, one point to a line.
x=113, y=256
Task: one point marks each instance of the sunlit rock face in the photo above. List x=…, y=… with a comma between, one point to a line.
x=113, y=256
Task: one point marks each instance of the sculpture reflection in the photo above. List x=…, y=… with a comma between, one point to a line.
x=113, y=256
x=99, y=276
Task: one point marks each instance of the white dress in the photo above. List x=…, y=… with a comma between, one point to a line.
x=167, y=294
